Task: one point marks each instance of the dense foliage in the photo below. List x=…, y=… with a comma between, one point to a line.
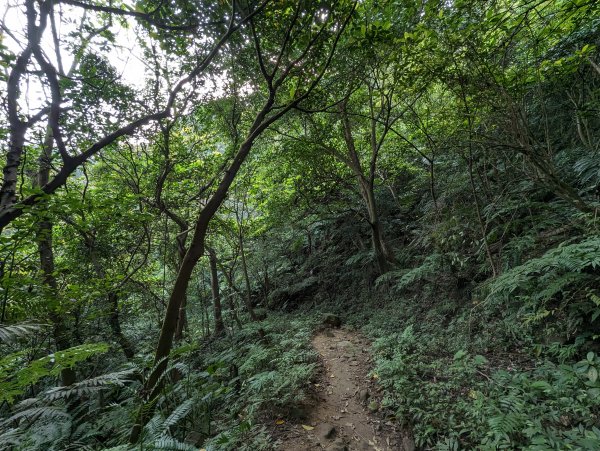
x=171, y=229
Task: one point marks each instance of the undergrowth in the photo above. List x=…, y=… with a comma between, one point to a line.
x=215, y=398
x=516, y=367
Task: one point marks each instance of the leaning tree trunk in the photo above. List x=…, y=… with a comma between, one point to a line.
x=268, y=114
x=153, y=385
x=383, y=255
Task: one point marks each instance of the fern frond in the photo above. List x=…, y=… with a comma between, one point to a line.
x=170, y=444
x=180, y=412
x=89, y=386
x=407, y=277
x=563, y=266
x=10, y=437
x=36, y=413
x=15, y=332
x=360, y=258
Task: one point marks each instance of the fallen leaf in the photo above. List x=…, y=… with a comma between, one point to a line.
x=280, y=422
x=308, y=428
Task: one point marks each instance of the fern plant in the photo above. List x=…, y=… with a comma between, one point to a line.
x=562, y=282
x=403, y=279
x=17, y=373
x=14, y=332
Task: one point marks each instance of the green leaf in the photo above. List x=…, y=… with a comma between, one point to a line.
x=460, y=354
x=479, y=360
x=593, y=374
x=541, y=385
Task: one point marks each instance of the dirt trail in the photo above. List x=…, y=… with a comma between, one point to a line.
x=344, y=414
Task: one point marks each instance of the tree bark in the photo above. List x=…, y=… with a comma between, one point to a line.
x=18, y=128
x=43, y=232
x=182, y=315
x=196, y=249
x=383, y=255
x=114, y=321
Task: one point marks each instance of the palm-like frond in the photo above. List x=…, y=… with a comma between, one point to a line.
x=89, y=386
x=14, y=332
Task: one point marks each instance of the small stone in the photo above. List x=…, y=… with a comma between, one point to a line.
x=354, y=363
x=298, y=413
x=338, y=445
x=325, y=431
x=363, y=395
x=194, y=438
x=344, y=344
x=408, y=444
x=329, y=319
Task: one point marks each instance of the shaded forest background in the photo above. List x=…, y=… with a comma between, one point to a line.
x=427, y=171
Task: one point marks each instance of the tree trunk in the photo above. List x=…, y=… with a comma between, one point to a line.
x=233, y=310
x=235, y=290
x=43, y=232
x=182, y=314
x=155, y=381
x=112, y=298
x=214, y=287
x=196, y=249
x=383, y=255
x=46, y=254
x=248, y=297
x=482, y=224
x=181, y=320
x=115, y=325
x=181, y=250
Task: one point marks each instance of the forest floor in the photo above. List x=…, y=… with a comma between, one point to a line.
x=343, y=413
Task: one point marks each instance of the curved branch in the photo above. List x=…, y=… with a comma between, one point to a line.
x=8, y=209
